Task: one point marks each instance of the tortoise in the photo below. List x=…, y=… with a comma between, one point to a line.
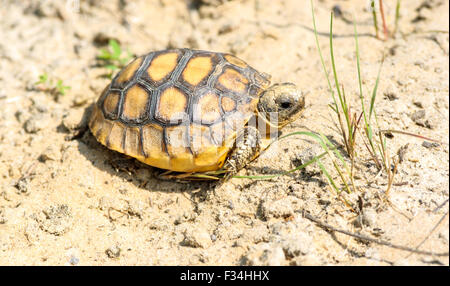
x=192, y=111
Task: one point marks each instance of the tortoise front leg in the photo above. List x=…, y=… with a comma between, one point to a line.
x=246, y=149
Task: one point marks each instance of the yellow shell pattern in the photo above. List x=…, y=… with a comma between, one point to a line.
x=178, y=109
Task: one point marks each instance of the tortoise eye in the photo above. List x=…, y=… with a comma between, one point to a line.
x=286, y=104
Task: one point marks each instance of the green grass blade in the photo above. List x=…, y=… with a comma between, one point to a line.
x=328, y=145
x=397, y=16
x=374, y=91
x=324, y=143
x=321, y=59
x=111, y=67
x=203, y=176
x=330, y=179
x=374, y=16
x=341, y=96
x=368, y=127
x=104, y=55
x=116, y=50
x=336, y=81
x=358, y=65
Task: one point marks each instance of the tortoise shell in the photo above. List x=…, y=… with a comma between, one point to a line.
x=178, y=109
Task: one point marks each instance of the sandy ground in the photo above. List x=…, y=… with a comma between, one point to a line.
x=73, y=202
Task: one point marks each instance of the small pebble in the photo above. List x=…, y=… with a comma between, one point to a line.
x=50, y=153
x=391, y=96
x=74, y=260
x=367, y=218
x=3, y=219
x=419, y=118
x=418, y=104
x=76, y=119
x=36, y=123
x=56, y=219
x=298, y=244
x=113, y=251
x=197, y=237
x=306, y=156
x=416, y=116
x=402, y=152
x=427, y=144
x=80, y=100
x=337, y=10
x=264, y=254
x=136, y=208
x=280, y=208
x=22, y=185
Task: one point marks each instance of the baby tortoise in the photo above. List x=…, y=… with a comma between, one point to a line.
x=192, y=111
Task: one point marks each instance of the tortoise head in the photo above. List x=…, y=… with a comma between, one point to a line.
x=281, y=104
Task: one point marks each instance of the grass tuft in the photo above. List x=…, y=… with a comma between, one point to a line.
x=349, y=122
x=349, y=126
x=51, y=85
x=113, y=58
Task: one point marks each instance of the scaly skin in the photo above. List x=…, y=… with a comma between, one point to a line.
x=247, y=148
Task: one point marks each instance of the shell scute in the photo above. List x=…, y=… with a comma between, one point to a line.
x=235, y=61
x=207, y=109
x=228, y=104
x=172, y=105
x=161, y=67
x=198, y=69
x=111, y=104
x=153, y=146
x=128, y=73
x=177, y=143
x=132, y=143
x=136, y=103
x=115, y=138
x=204, y=149
x=232, y=81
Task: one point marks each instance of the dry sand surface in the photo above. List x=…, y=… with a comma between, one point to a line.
x=67, y=200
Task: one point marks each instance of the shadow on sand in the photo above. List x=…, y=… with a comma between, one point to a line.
x=129, y=169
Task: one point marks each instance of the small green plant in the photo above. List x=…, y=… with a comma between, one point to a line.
x=61, y=88
x=113, y=57
x=43, y=78
x=53, y=86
